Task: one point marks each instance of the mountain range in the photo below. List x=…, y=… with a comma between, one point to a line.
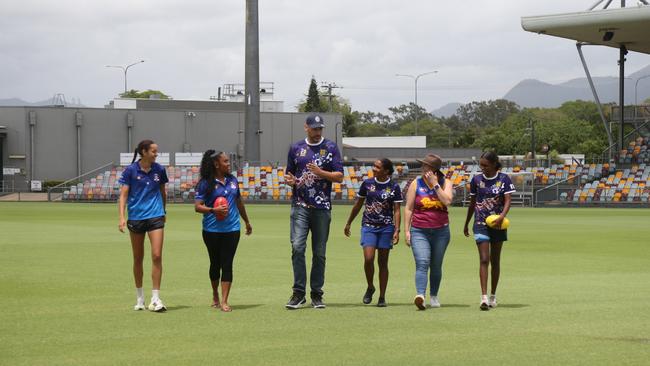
x=535, y=93
x=17, y=102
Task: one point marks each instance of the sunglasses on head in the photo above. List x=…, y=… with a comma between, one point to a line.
x=215, y=154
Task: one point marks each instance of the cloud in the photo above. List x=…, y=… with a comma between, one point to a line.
x=193, y=47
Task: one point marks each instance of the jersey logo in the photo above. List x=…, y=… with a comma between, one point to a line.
x=371, y=188
x=303, y=152
x=429, y=203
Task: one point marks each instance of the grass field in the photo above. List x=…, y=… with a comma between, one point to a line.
x=575, y=289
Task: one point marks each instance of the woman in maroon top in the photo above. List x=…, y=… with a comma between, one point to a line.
x=426, y=224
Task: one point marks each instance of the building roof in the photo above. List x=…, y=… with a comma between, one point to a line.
x=386, y=141
x=628, y=26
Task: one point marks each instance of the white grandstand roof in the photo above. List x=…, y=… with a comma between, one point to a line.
x=629, y=26
x=386, y=141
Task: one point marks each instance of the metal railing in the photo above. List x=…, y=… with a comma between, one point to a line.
x=607, y=152
x=556, y=185
x=56, y=192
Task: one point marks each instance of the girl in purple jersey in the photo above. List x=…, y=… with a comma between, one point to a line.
x=380, y=225
x=490, y=195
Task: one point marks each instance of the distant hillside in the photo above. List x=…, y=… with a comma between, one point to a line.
x=446, y=110
x=17, y=102
x=535, y=93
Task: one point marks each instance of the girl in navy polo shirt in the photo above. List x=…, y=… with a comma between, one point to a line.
x=380, y=224
x=143, y=190
x=221, y=221
x=490, y=195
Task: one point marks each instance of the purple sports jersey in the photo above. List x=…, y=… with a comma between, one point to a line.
x=380, y=197
x=310, y=190
x=489, y=195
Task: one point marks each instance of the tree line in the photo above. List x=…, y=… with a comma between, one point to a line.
x=499, y=125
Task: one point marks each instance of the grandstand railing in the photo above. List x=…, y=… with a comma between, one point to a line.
x=555, y=185
x=56, y=192
x=607, y=154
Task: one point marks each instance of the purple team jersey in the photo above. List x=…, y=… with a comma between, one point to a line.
x=380, y=197
x=489, y=195
x=310, y=190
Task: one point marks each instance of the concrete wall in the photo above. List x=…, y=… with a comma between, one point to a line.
x=104, y=134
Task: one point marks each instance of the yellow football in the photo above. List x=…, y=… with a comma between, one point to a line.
x=490, y=222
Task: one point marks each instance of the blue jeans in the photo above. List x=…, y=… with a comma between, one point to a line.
x=429, y=246
x=302, y=221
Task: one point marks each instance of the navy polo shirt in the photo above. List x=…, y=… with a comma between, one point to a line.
x=145, y=200
x=229, y=189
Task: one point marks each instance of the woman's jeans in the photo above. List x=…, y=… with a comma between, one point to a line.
x=429, y=246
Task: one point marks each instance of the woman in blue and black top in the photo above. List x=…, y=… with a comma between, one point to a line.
x=143, y=189
x=218, y=199
x=380, y=224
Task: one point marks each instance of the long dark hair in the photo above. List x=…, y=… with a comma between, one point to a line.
x=208, y=171
x=387, y=165
x=493, y=158
x=143, y=146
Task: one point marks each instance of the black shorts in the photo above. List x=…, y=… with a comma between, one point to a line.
x=146, y=225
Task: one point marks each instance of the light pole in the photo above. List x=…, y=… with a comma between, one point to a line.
x=125, y=69
x=636, y=85
x=415, y=79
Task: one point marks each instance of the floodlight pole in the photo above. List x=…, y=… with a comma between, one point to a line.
x=621, y=86
x=252, y=130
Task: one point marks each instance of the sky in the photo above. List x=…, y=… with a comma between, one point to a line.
x=192, y=47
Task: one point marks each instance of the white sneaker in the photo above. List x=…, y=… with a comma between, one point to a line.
x=492, y=302
x=435, y=303
x=157, y=306
x=139, y=305
x=484, y=303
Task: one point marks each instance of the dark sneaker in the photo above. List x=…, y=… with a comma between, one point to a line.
x=295, y=301
x=419, y=302
x=367, y=297
x=317, y=302
x=381, y=303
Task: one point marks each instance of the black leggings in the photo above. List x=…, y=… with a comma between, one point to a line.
x=221, y=248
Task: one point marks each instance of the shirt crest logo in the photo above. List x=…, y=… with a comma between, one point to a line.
x=481, y=185
x=371, y=188
x=323, y=152
x=303, y=152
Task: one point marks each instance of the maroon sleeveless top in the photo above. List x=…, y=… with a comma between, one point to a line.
x=428, y=211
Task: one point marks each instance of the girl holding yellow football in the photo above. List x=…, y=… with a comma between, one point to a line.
x=490, y=195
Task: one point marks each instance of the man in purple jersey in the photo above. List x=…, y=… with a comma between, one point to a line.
x=312, y=165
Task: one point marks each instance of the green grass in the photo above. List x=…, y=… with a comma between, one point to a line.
x=574, y=290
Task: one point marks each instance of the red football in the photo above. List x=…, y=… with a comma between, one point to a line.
x=220, y=201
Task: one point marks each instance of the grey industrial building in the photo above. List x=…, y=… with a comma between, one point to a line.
x=57, y=143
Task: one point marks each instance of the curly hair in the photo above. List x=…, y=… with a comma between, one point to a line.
x=208, y=171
